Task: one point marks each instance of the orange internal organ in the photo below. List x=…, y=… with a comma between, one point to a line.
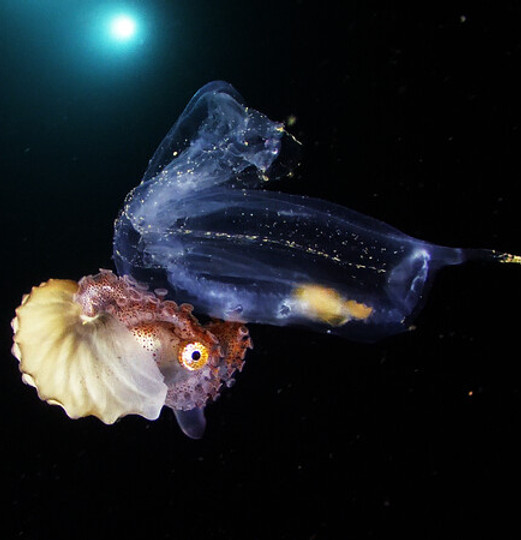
x=327, y=305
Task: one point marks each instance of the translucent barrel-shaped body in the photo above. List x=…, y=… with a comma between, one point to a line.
x=199, y=225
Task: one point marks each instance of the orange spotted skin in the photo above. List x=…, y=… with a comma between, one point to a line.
x=195, y=360
x=235, y=340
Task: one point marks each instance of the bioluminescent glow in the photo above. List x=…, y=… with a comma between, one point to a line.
x=123, y=27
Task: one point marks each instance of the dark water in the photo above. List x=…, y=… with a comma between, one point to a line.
x=409, y=115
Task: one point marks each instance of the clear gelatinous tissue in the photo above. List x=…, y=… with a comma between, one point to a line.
x=200, y=232
x=201, y=225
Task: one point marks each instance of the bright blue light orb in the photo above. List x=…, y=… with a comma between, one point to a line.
x=122, y=27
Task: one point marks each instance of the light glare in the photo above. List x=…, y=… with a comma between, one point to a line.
x=123, y=27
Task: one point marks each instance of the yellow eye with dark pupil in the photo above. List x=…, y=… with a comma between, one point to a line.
x=193, y=355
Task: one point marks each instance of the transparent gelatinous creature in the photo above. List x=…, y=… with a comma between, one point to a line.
x=200, y=230
x=200, y=225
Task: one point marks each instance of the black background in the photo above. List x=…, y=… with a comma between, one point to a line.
x=409, y=114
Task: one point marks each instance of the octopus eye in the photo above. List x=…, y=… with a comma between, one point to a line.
x=193, y=355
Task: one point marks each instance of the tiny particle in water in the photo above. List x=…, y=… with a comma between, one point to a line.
x=291, y=120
